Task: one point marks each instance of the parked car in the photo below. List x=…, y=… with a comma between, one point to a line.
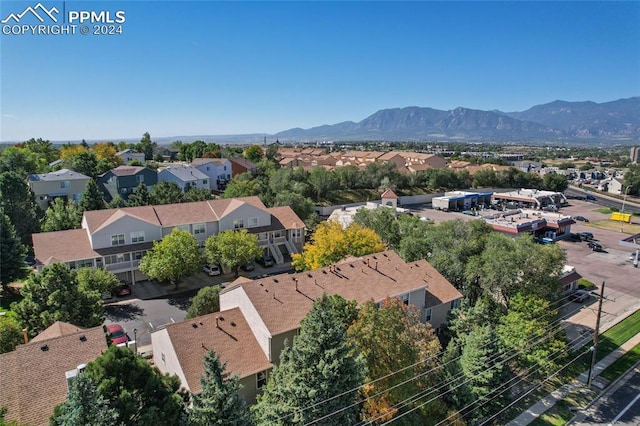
x=580, y=296
x=581, y=219
x=123, y=290
x=595, y=246
x=590, y=197
x=117, y=334
x=585, y=236
x=266, y=261
x=574, y=237
x=212, y=270
x=632, y=256
x=248, y=267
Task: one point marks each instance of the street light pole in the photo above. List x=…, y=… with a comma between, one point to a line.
x=135, y=340
x=624, y=201
x=595, y=336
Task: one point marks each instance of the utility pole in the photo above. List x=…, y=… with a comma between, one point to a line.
x=595, y=336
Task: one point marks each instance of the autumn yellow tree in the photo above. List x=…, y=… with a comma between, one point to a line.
x=330, y=243
x=106, y=151
x=71, y=150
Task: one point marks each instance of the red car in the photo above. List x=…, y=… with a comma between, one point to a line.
x=117, y=334
x=123, y=290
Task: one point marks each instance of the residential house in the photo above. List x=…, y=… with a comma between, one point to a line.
x=186, y=177
x=35, y=375
x=129, y=155
x=218, y=170
x=123, y=181
x=168, y=154
x=272, y=308
x=118, y=238
x=64, y=183
x=180, y=349
x=241, y=165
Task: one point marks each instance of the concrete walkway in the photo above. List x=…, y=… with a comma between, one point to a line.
x=550, y=400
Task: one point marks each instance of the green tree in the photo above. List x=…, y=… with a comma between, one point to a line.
x=85, y=162
x=219, y=402
x=97, y=279
x=12, y=253
x=398, y=348
x=330, y=243
x=554, y=182
x=197, y=194
x=301, y=205
x=117, y=202
x=253, y=153
x=232, y=248
x=174, y=257
x=320, y=182
x=91, y=198
x=54, y=295
x=19, y=204
x=84, y=406
x=140, y=197
x=384, y=221
x=632, y=180
x=166, y=193
x=10, y=334
x=242, y=185
x=146, y=146
x=21, y=161
x=272, y=152
x=206, y=301
x=321, y=366
x=61, y=215
x=530, y=328
x=139, y=393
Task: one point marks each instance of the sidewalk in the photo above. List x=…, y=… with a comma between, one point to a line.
x=550, y=400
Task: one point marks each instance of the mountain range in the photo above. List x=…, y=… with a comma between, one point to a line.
x=555, y=121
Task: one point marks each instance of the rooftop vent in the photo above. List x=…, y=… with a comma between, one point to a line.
x=83, y=338
x=44, y=348
x=194, y=325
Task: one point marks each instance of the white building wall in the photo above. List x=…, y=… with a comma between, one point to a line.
x=237, y=298
x=245, y=212
x=125, y=225
x=165, y=357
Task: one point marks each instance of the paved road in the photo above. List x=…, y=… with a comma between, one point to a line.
x=147, y=315
x=604, y=201
x=619, y=407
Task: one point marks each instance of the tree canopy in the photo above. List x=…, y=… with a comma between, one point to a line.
x=206, y=301
x=53, y=295
x=10, y=334
x=19, y=204
x=84, y=406
x=173, y=258
x=330, y=243
x=62, y=215
x=219, y=402
x=12, y=253
x=232, y=248
x=166, y=193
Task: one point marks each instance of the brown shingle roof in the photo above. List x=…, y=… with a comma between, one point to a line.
x=57, y=329
x=282, y=304
x=127, y=170
x=232, y=340
x=388, y=194
x=286, y=217
x=62, y=246
x=33, y=380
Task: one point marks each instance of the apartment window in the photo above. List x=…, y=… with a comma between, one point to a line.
x=296, y=233
x=198, y=228
x=183, y=227
x=252, y=222
x=238, y=223
x=405, y=299
x=64, y=184
x=261, y=379
x=164, y=361
x=86, y=263
x=455, y=304
x=137, y=255
x=207, y=168
x=427, y=314
x=277, y=234
x=117, y=240
x=137, y=237
x=117, y=258
x=140, y=178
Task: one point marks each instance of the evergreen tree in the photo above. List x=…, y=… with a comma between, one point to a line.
x=219, y=402
x=141, y=196
x=140, y=393
x=92, y=198
x=166, y=193
x=10, y=334
x=320, y=365
x=19, y=204
x=12, y=253
x=61, y=216
x=117, y=202
x=84, y=406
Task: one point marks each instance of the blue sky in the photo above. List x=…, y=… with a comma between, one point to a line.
x=206, y=68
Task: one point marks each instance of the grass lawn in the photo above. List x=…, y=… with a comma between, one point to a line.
x=614, y=225
x=609, y=341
